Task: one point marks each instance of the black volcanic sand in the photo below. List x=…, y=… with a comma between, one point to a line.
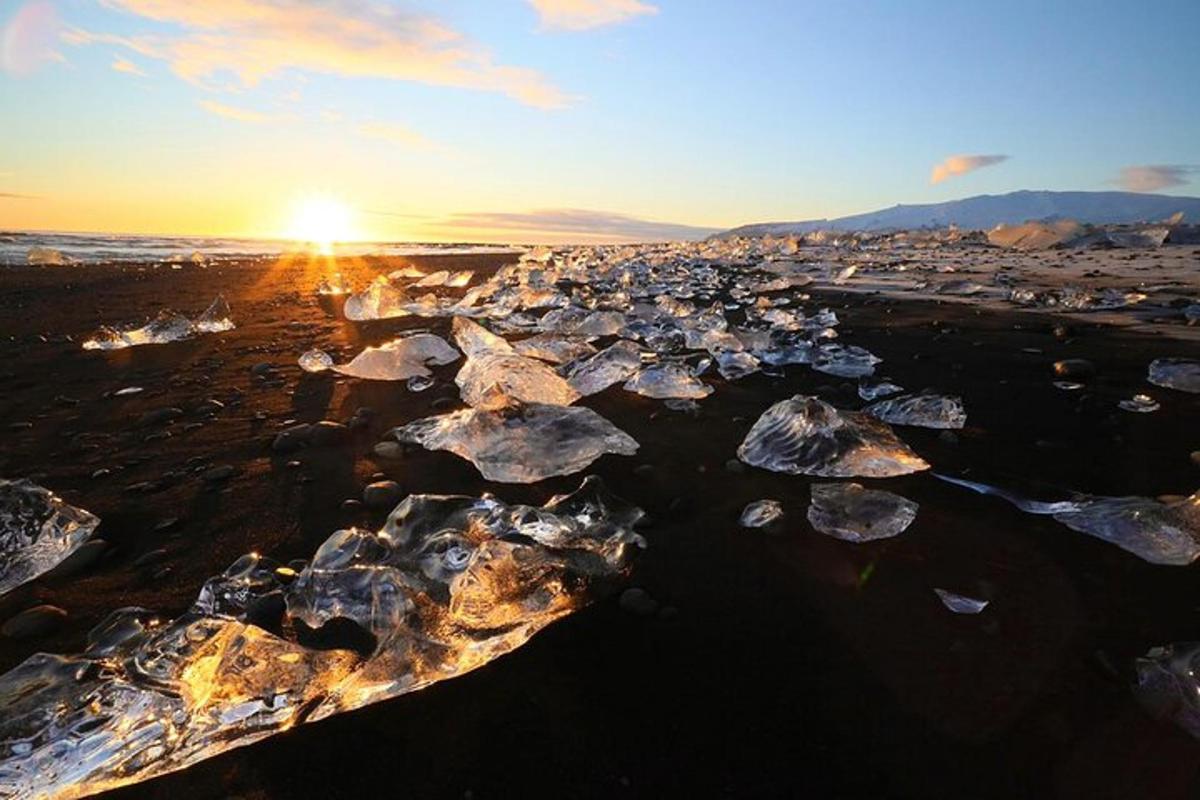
x=783, y=664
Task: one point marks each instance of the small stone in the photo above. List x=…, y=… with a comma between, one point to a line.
x=1074, y=368
x=152, y=557
x=388, y=450
x=442, y=403
x=209, y=406
x=327, y=433
x=84, y=556
x=382, y=494
x=159, y=416
x=262, y=369
x=34, y=622
x=292, y=438
x=221, y=472
x=735, y=466
x=643, y=470
x=638, y=601
x=948, y=437
x=1195, y=457
x=351, y=505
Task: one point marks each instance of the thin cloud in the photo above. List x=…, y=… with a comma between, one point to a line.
x=235, y=113
x=583, y=224
x=28, y=38
x=15, y=196
x=578, y=15
x=253, y=41
x=395, y=133
x=120, y=64
x=961, y=165
x=1153, y=177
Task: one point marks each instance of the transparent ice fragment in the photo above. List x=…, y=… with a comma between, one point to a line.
x=845, y=361
x=37, y=531
x=873, y=390
x=380, y=300
x=1139, y=404
x=960, y=603
x=761, y=513
x=668, y=381
x=401, y=358
x=1168, y=684
x=921, y=410
x=1182, y=374
x=334, y=285
x=315, y=361
x=597, y=372
x=216, y=318
x=447, y=585
x=806, y=436
x=735, y=365
x=852, y=513
x=168, y=326
x=46, y=257
x=494, y=376
x=523, y=443
x=554, y=348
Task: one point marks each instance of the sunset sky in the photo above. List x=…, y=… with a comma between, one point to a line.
x=555, y=120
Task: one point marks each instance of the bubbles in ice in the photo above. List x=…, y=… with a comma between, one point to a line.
x=668, y=381
x=523, y=443
x=761, y=513
x=855, y=514
x=167, y=326
x=449, y=584
x=401, y=358
x=315, y=361
x=37, y=531
x=1182, y=374
x=921, y=410
x=960, y=603
x=806, y=436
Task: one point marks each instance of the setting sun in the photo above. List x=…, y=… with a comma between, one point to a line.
x=322, y=221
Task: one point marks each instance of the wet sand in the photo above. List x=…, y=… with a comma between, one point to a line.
x=782, y=664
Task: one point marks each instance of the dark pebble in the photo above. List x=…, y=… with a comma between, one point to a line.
x=327, y=433
x=159, y=416
x=638, y=601
x=1074, y=368
x=735, y=466
x=84, y=556
x=221, y=472
x=292, y=438
x=382, y=494
x=152, y=557
x=34, y=622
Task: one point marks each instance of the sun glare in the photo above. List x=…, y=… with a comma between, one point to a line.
x=321, y=221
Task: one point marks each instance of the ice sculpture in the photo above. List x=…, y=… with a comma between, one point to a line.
x=921, y=410
x=1182, y=374
x=807, y=436
x=447, y=585
x=37, y=531
x=167, y=326
x=852, y=513
x=1155, y=531
x=522, y=443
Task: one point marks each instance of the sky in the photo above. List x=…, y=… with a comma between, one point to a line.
x=576, y=120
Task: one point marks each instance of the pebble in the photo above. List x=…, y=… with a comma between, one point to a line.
x=735, y=466
x=382, y=494
x=443, y=403
x=84, y=556
x=1195, y=457
x=159, y=416
x=221, y=472
x=643, y=470
x=292, y=438
x=327, y=433
x=638, y=601
x=388, y=450
x=1074, y=368
x=152, y=557
x=351, y=505
x=262, y=369
x=34, y=622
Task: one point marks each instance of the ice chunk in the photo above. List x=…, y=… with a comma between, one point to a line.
x=47, y=257
x=611, y=365
x=380, y=300
x=1168, y=684
x=315, y=361
x=1176, y=373
x=168, y=326
x=37, y=531
x=495, y=376
x=334, y=285
x=761, y=513
x=668, y=381
x=524, y=443
x=1153, y=530
x=960, y=603
x=921, y=410
x=845, y=361
x=1139, y=404
x=400, y=358
x=873, y=390
x=735, y=365
x=806, y=436
x=148, y=697
x=848, y=511
x=554, y=348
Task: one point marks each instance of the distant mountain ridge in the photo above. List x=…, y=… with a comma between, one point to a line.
x=986, y=211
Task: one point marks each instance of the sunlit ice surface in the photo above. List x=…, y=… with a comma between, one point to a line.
x=321, y=221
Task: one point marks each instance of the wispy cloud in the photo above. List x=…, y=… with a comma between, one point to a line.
x=128, y=67
x=578, y=15
x=1153, y=177
x=28, y=38
x=574, y=223
x=961, y=165
x=395, y=133
x=259, y=39
x=15, y=196
x=235, y=113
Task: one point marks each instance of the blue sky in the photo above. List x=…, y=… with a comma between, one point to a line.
x=509, y=118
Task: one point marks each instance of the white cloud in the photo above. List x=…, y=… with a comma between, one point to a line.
x=1153, y=177
x=252, y=40
x=235, y=113
x=577, y=15
x=961, y=165
x=128, y=67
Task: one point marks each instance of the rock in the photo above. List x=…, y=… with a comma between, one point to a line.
x=221, y=472
x=382, y=495
x=152, y=557
x=84, y=557
x=34, y=622
x=638, y=601
x=1074, y=368
x=443, y=403
x=735, y=466
x=643, y=470
x=262, y=369
x=159, y=416
x=209, y=406
x=292, y=438
x=351, y=505
x=388, y=450
x=327, y=433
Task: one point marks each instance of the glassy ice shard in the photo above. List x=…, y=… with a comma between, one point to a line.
x=852, y=513
x=735, y=365
x=334, y=285
x=1168, y=684
x=611, y=365
x=37, y=531
x=845, y=361
x=1153, y=530
x=806, y=436
x=401, y=358
x=168, y=326
x=873, y=390
x=960, y=603
x=523, y=443
x=380, y=300
x=760, y=513
x=315, y=361
x=495, y=376
x=447, y=585
x=216, y=318
x=668, y=381
x=921, y=410
x=1182, y=374
x=554, y=348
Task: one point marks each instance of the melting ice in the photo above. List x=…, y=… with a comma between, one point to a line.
x=37, y=531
